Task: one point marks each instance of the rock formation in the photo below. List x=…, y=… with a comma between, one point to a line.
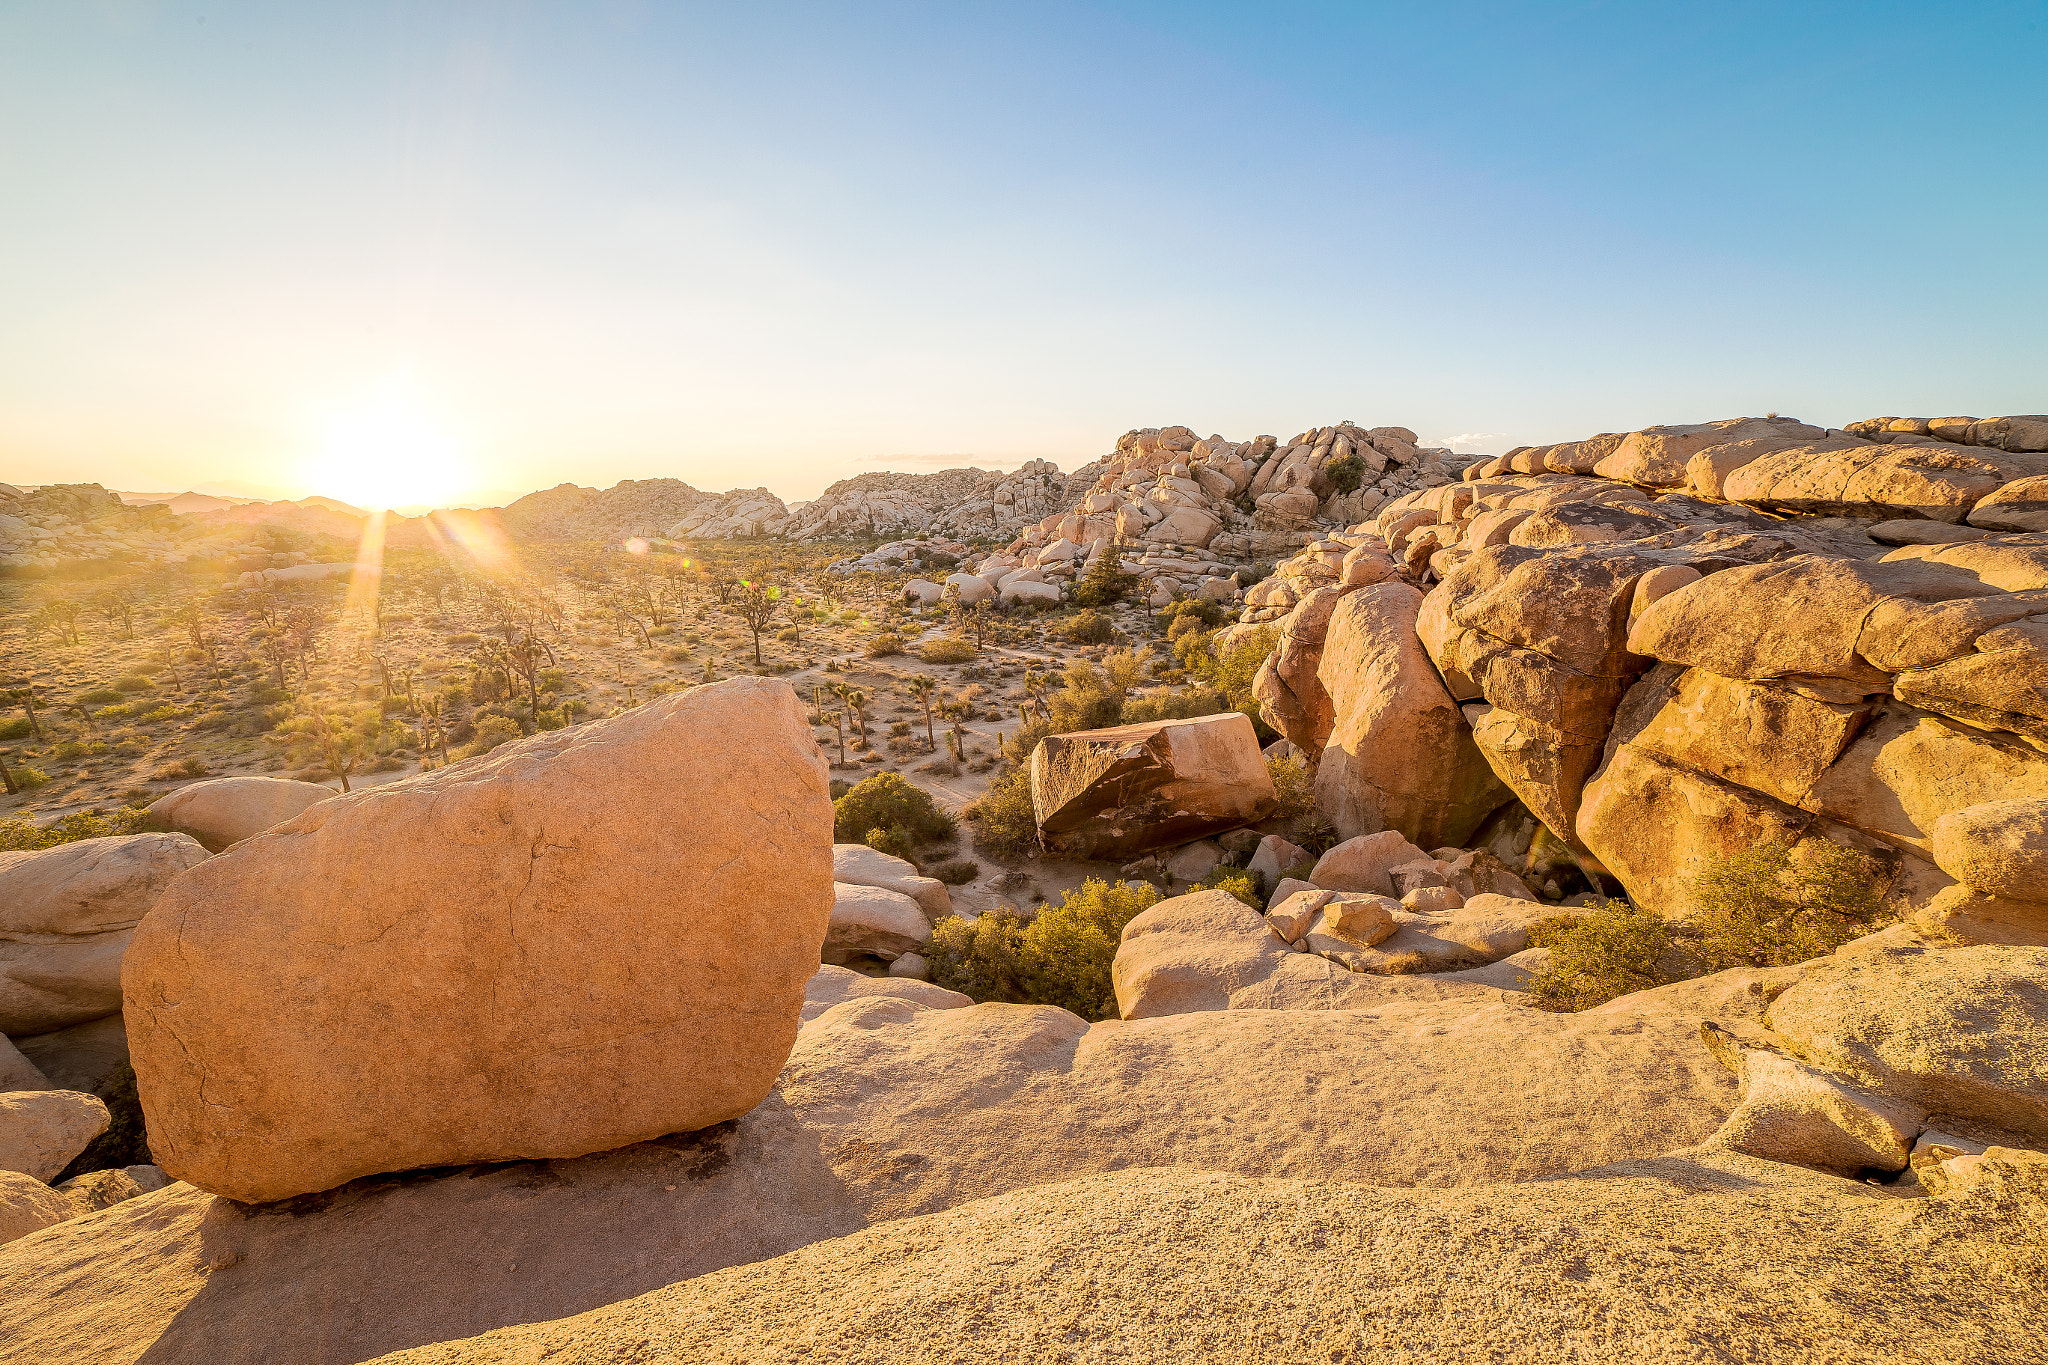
x=1116, y=793
x=557, y=949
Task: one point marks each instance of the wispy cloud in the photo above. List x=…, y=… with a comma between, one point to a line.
x=1474, y=442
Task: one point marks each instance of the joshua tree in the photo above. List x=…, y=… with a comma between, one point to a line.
x=118, y=606
x=975, y=620
x=755, y=604
x=25, y=698
x=1037, y=687
x=526, y=656
x=60, y=618
x=921, y=687
x=341, y=748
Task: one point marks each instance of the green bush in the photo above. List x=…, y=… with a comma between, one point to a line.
x=492, y=731
x=1173, y=706
x=1767, y=907
x=1090, y=627
x=1062, y=957
x=134, y=682
x=1005, y=823
x=949, y=649
x=1345, y=475
x=15, y=727
x=1191, y=613
x=98, y=696
x=1238, y=882
x=1294, y=784
x=18, y=834
x=28, y=779
x=1105, y=584
x=887, y=802
x=885, y=644
x=1595, y=957
x=894, y=842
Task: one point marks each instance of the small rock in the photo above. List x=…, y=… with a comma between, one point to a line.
x=1794, y=1113
x=41, y=1131
x=912, y=967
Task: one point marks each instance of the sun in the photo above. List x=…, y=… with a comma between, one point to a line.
x=389, y=451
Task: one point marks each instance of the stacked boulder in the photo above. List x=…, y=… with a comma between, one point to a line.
x=1661, y=676
x=742, y=513
x=885, y=504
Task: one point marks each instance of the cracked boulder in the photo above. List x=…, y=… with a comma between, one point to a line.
x=589, y=938
x=1116, y=793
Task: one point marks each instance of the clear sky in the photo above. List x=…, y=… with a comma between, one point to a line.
x=473, y=246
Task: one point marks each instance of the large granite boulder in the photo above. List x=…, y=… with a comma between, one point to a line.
x=66, y=915
x=1998, y=848
x=1400, y=756
x=588, y=938
x=28, y=1205
x=226, y=810
x=1116, y=793
x=1961, y=1032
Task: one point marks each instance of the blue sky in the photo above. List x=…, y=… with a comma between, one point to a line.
x=782, y=243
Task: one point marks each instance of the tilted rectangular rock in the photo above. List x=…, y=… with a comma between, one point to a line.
x=1117, y=792
x=589, y=938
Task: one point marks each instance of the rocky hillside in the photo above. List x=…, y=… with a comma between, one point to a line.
x=1850, y=649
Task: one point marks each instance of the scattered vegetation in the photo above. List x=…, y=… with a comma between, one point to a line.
x=1060, y=957
x=1768, y=906
x=1105, y=584
x=947, y=649
x=886, y=806
x=1594, y=957
x=20, y=835
x=1090, y=627
x=1238, y=882
x=884, y=644
x=1005, y=823
x=956, y=871
x=1346, y=474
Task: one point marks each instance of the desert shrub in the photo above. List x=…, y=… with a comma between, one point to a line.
x=159, y=714
x=1294, y=783
x=16, y=727
x=138, y=796
x=1595, y=957
x=949, y=649
x=1105, y=584
x=1238, y=882
x=1005, y=823
x=885, y=644
x=1764, y=907
x=28, y=778
x=98, y=696
x=956, y=871
x=386, y=764
x=211, y=720
x=1090, y=627
x=1061, y=957
x=1232, y=671
x=1346, y=474
x=1173, y=706
x=1195, y=611
x=894, y=842
x=192, y=766
x=1315, y=833
x=271, y=696
x=492, y=731
x=940, y=767
x=133, y=682
x=887, y=802
x=467, y=637
x=18, y=834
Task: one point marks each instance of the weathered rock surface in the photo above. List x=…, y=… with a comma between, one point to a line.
x=869, y=1123
x=1791, y=1112
x=41, y=1131
x=870, y=920
x=28, y=1205
x=18, y=1072
x=226, y=810
x=1115, y=793
x=1961, y=1031
x=1999, y=848
x=1365, y=863
x=1175, y=1266
x=84, y=1057
x=66, y=916
x=1400, y=756
x=300, y=1016
x=836, y=985
x=859, y=865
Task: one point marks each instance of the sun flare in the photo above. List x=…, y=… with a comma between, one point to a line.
x=389, y=451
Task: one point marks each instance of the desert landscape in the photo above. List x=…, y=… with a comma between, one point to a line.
x=1030, y=894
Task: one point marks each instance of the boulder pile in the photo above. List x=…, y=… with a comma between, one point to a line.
x=1663, y=677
